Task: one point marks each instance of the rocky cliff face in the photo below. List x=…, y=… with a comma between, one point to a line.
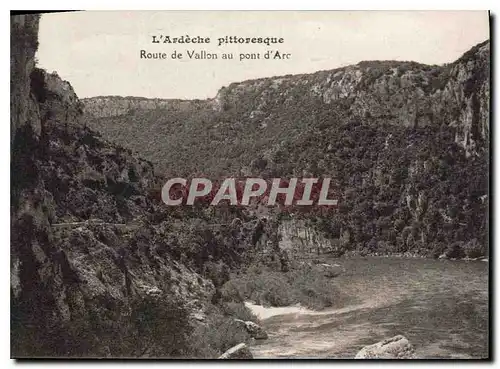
x=405, y=144
x=78, y=265
x=468, y=91
x=298, y=236
x=98, y=267
x=24, y=43
x=400, y=93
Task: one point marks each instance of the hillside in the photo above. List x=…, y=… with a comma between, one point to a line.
x=99, y=267
x=256, y=112
x=406, y=144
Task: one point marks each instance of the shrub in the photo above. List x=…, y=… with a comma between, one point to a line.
x=438, y=248
x=218, y=334
x=233, y=291
x=266, y=288
x=312, y=289
x=455, y=250
x=473, y=249
x=305, y=285
x=161, y=327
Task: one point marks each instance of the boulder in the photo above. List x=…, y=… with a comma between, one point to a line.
x=240, y=351
x=397, y=347
x=330, y=270
x=255, y=330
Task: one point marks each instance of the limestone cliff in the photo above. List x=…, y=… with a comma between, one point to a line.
x=401, y=93
x=24, y=43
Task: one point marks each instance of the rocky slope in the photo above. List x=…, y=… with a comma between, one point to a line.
x=99, y=267
x=406, y=144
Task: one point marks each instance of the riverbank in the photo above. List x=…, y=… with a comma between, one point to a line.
x=441, y=307
x=406, y=255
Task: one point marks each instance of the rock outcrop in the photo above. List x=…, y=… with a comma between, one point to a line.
x=240, y=352
x=297, y=236
x=101, y=277
x=396, y=347
x=24, y=43
x=255, y=330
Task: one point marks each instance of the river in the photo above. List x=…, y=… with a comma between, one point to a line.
x=441, y=306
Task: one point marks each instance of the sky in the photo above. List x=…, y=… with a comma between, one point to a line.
x=98, y=52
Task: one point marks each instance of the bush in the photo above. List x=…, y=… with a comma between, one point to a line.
x=455, y=250
x=151, y=326
x=473, y=249
x=161, y=327
x=312, y=289
x=438, y=248
x=218, y=334
x=305, y=285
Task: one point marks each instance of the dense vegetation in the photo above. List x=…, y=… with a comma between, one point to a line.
x=409, y=164
x=99, y=268
x=267, y=285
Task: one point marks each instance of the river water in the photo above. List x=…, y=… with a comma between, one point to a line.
x=441, y=306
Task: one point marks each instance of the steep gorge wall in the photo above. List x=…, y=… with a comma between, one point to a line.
x=86, y=264
x=401, y=93
x=24, y=43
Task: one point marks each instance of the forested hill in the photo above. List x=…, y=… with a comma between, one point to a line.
x=407, y=145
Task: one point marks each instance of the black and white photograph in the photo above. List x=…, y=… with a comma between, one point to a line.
x=250, y=185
